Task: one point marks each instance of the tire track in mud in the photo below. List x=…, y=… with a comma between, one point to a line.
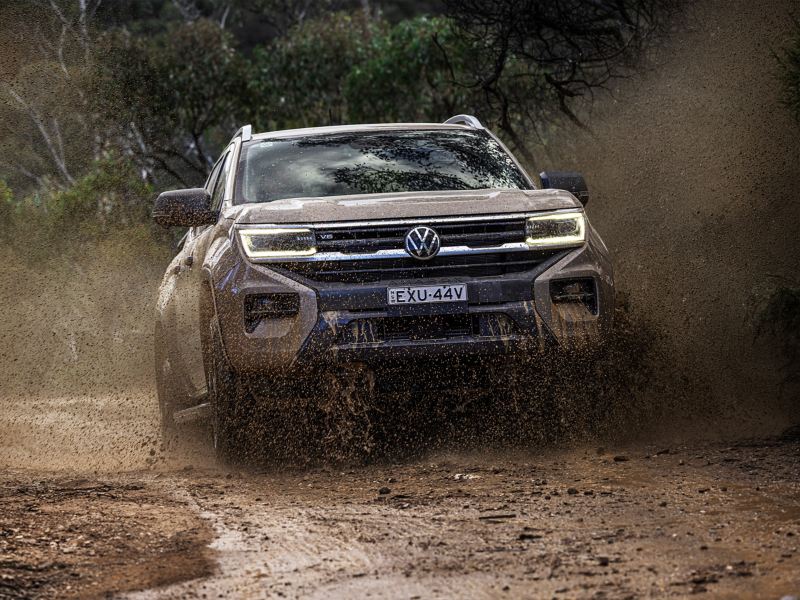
x=652, y=521
x=306, y=550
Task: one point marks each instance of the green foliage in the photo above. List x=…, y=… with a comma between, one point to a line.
x=5, y=195
x=298, y=80
x=420, y=69
x=45, y=130
x=111, y=197
x=165, y=84
x=789, y=73
x=6, y=209
x=780, y=317
x=411, y=72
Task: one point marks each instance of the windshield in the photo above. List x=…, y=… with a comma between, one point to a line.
x=374, y=163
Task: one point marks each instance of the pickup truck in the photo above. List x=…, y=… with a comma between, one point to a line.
x=329, y=261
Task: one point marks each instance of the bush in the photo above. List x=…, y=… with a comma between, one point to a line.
x=407, y=74
x=6, y=209
x=419, y=69
x=299, y=79
x=173, y=98
x=111, y=198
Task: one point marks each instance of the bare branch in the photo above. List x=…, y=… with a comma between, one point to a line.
x=55, y=147
x=577, y=46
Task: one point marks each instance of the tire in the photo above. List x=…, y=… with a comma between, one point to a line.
x=230, y=405
x=164, y=392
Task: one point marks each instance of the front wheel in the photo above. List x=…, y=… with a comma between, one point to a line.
x=164, y=392
x=230, y=404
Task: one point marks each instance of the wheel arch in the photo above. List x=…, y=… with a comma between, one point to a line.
x=208, y=317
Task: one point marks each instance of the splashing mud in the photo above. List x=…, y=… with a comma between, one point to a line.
x=693, y=169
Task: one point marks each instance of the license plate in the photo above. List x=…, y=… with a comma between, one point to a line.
x=427, y=293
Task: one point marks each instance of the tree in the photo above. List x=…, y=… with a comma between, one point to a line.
x=425, y=69
x=410, y=72
x=43, y=104
x=174, y=99
x=299, y=79
x=420, y=69
x=573, y=47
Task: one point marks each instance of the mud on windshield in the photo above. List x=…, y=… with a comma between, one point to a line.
x=374, y=163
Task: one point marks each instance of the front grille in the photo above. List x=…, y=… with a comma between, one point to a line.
x=426, y=328
x=473, y=234
x=388, y=269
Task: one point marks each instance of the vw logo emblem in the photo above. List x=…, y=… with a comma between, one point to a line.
x=423, y=243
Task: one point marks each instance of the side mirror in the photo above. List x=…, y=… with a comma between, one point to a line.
x=184, y=208
x=570, y=181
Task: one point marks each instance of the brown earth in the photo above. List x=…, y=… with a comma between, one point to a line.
x=73, y=537
x=718, y=520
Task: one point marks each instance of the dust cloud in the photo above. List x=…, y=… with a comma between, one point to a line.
x=693, y=169
x=76, y=386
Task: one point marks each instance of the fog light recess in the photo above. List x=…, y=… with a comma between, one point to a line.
x=575, y=291
x=258, y=307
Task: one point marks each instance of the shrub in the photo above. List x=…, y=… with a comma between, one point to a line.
x=6, y=208
x=173, y=98
x=407, y=74
x=299, y=79
x=111, y=198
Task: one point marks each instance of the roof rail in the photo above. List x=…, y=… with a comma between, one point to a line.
x=246, y=132
x=467, y=120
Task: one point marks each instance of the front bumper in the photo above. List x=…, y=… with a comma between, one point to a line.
x=339, y=323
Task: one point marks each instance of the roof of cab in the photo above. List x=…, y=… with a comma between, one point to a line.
x=291, y=133
x=456, y=122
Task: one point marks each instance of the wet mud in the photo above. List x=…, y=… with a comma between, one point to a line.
x=616, y=522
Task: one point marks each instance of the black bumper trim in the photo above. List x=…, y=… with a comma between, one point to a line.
x=324, y=344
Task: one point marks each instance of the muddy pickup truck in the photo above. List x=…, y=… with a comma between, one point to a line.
x=354, y=257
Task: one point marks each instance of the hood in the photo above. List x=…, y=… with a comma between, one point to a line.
x=401, y=206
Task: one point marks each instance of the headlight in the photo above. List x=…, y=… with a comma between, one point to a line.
x=556, y=229
x=278, y=242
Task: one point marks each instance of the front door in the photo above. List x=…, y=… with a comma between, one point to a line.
x=191, y=285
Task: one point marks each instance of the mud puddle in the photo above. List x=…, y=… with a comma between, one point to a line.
x=77, y=537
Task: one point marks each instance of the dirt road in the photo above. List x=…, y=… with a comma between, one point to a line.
x=721, y=520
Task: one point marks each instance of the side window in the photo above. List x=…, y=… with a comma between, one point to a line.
x=219, y=187
x=212, y=176
x=209, y=186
